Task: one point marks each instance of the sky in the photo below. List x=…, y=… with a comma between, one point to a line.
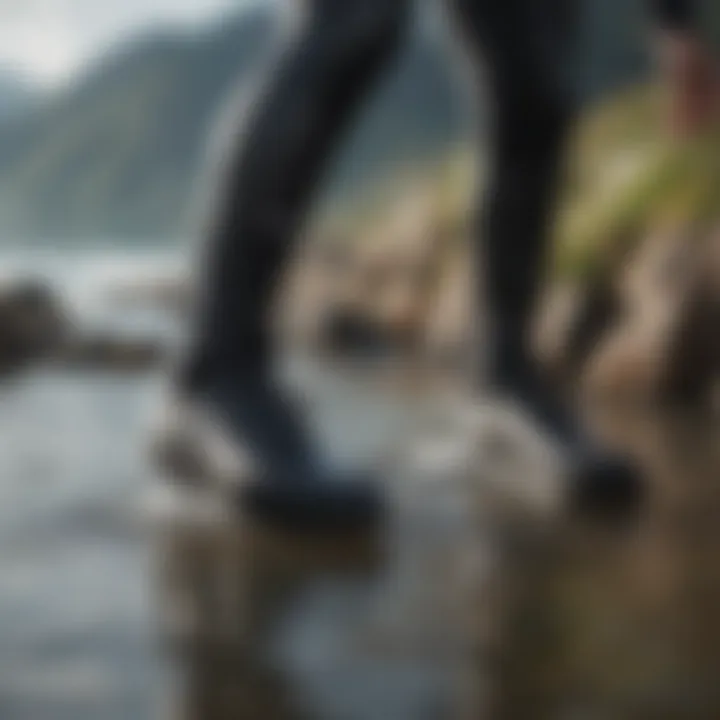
x=49, y=40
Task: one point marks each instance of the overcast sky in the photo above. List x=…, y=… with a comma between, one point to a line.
x=50, y=39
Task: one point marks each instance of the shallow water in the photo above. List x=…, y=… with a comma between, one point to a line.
x=101, y=616
x=78, y=613
x=110, y=610
x=76, y=627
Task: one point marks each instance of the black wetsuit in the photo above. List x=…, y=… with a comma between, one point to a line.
x=304, y=110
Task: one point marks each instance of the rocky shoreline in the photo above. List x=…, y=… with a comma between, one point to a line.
x=629, y=310
x=645, y=333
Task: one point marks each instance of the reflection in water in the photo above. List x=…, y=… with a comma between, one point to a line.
x=230, y=594
x=445, y=618
x=624, y=625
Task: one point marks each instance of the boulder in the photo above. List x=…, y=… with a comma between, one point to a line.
x=112, y=353
x=32, y=323
x=310, y=289
x=663, y=347
x=373, y=290
x=376, y=302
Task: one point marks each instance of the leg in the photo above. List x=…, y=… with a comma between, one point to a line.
x=528, y=49
x=525, y=47
x=319, y=82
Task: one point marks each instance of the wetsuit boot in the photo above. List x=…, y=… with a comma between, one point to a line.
x=323, y=74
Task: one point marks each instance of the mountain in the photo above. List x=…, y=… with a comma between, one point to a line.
x=115, y=154
x=119, y=153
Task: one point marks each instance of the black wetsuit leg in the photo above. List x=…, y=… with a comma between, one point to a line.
x=527, y=49
x=274, y=166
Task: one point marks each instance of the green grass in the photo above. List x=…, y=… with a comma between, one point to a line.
x=626, y=178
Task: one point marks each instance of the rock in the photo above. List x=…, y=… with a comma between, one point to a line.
x=323, y=288
x=347, y=330
x=371, y=292
x=412, y=261
x=32, y=324
x=449, y=324
x=366, y=305
x=643, y=332
x=663, y=348
x=572, y=321
x=692, y=365
x=400, y=314
x=111, y=353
